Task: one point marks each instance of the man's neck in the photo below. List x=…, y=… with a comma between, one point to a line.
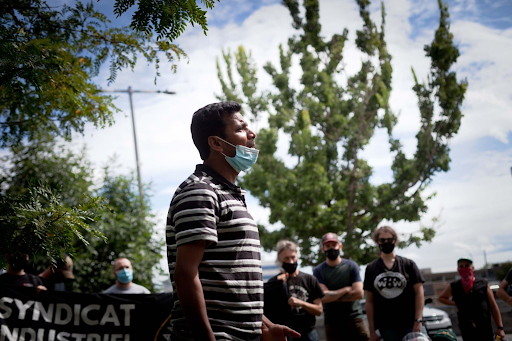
x=124, y=285
x=388, y=257
x=334, y=262
x=295, y=274
x=221, y=166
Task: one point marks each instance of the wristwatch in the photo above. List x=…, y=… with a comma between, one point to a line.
x=500, y=327
x=418, y=320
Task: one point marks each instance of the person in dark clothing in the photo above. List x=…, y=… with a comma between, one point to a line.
x=342, y=286
x=16, y=275
x=394, y=291
x=58, y=278
x=475, y=304
x=302, y=292
x=505, y=290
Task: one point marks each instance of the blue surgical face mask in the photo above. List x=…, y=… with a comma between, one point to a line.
x=244, y=159
x=125, y=275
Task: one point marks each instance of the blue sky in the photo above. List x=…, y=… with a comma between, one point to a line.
x=474, y=198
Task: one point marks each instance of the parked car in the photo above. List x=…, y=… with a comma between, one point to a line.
x=434, y=319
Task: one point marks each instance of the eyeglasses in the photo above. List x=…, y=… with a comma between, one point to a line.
x=385, y=240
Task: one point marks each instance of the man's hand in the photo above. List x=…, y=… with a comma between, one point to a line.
x=417, y=327
x=374, y=337
x=500, y=333
x=295, y=302
x=283, y=277
x=275, y=332
x=40, y=287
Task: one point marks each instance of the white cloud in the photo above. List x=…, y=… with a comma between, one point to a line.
x=475, y=203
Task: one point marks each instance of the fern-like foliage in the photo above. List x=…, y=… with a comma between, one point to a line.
x=37, y=221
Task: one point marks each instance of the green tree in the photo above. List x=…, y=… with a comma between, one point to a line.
x=48, y=58
x=329, y=124
x=502, y=270
x=45, y=200
x=129, y=227
x=126, y=225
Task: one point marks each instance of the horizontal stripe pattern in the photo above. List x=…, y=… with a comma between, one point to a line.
x=207, y=207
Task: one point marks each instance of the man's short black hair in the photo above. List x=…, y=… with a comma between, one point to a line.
x=209, y=121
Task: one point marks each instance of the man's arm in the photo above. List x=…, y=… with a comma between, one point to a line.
x=314, y=308
x=333, y=295
x=446, y=296
x=370, y=315
x=502, y=292
x=419, y=303
x=355, y=293
x=275, y=332
x=495, y=311
x=190, y=290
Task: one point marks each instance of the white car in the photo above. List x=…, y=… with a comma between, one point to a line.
x=434, y=319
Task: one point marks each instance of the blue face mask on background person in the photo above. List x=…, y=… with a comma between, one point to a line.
x=125, y=275
x=244, y=159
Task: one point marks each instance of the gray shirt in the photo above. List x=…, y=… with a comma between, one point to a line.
x=132, y=289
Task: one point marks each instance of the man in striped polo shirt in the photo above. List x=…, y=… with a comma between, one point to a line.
x=213, y=246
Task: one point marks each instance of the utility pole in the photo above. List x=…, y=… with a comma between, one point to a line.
x=486, y=266
x=130, y=91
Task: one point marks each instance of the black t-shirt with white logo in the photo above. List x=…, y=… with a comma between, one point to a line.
x=393, y=292
x=306, y=288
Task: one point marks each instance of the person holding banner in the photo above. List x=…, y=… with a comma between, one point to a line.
x=124, y=275
x=16, y=275
x=213, y=245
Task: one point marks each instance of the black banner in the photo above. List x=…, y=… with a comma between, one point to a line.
x=63, y=316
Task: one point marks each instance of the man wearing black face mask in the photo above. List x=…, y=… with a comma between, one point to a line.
x=16, y=275
x=301, y=291
x=343, y=288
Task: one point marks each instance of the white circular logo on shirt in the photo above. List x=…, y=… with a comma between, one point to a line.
x=390, y=284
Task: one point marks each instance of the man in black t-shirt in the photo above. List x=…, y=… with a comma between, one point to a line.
x=16, y=275
x=302, y=292
x=475, y=304
x=505, y=290
x=394, y=291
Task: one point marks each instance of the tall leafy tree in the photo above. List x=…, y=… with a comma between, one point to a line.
x=49, y=55
x=125, y=228
x=46, y=201
x=129, y=227
x=48, y=58
x=328, y=124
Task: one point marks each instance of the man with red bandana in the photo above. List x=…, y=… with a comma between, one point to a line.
x=475, y=304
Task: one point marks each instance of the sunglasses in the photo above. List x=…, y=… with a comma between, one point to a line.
x=385, y=240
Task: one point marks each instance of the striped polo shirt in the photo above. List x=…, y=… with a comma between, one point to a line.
x=208, y=207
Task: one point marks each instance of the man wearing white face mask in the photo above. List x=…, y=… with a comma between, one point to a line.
x=213, y=245
x=124, y=275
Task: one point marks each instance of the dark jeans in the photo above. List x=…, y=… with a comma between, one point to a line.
x=354, y=330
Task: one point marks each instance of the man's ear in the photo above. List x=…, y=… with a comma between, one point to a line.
x=215, y=144
x=341, y=246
